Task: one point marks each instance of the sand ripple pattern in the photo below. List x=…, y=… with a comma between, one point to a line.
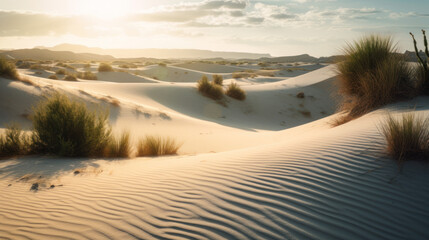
x=337, y=185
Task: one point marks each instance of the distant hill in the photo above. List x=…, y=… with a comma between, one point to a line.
x=155, y=53
x=412, y=57
x=297, y=58
x=45, y=54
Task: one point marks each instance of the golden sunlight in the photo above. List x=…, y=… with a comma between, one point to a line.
x=102, y=9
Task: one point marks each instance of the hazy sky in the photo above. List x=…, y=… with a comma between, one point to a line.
x=278, y=27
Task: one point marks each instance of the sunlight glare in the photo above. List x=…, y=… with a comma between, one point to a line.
x=102, y=9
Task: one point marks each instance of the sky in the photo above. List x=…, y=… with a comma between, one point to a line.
x=277, y=27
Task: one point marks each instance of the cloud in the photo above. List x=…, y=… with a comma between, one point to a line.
x=229, y=4
x=254, y=20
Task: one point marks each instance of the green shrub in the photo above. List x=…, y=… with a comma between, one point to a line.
x=157, y=146
x=234, y=91
x=218, y=79
x=119, y=147
x=70, y=78
x=13, y=142
x=372, y=75
x=104, y=67
x=61, y=72
x=54, y=77
x=8, y=70
x=209, y=89
x=407, y=137
x=67, y=128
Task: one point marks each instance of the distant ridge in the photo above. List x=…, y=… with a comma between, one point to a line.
x=155, y=52
x=45, y=54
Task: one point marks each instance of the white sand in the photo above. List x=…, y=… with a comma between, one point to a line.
x=268, y=180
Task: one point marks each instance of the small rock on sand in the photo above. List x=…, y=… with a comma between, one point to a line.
x=34, y=187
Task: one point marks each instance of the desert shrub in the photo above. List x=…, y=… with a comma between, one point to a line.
x=209, y=89
x=124, y=66
x=8, y=70
x=162, y=64
x=54, y=77
x=14, y=142
x=60, y=64
x=23, y=64
x=87, y=75
x=407, y=137
x=87, y=65
x=372, y=75
x=119, y=147
x=61, y=72
x=234, y=91
x=68, y=66
x=67, y=128
x=218, y=79
x=70, y=78
x=157, y=146
x=104, y=67
x=243, y=75
x=36, y=67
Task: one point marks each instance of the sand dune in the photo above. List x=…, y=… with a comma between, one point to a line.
x=334, y=184
x=270, y=167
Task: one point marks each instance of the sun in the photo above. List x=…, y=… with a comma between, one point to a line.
x=102, y=9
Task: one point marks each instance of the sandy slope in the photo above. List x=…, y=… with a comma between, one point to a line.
x=309, y=181
x=330, y=184
x=179, y=111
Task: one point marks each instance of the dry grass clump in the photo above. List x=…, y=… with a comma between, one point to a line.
x=157, y=146
x=54, y=77
x=234, y=91
x=407, y=137
x=87, y=75
x=104, y=67
x=119, y=147
x=61, y=72
x=67, y=128
x=8, y=70
x=23, y=64
x=217, y=79
x=70, y=77
x=209, y=89
x=14, y=142
x=372, y=75
x=243, y=74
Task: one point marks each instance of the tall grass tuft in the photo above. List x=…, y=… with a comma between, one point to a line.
x=234, y=91
x=8, y=70
x=217, y=79
x=209, y=89
x=407, y=137
x=372, y=75
x=157, y=146
x=13, y=142
x=119, y=147
x=67, y=128
x=104, y=67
